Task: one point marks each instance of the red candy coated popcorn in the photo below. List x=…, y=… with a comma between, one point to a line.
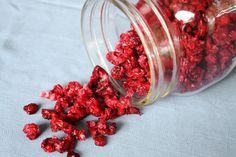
x=74, y=102
x=31, y=130
x=31, y=108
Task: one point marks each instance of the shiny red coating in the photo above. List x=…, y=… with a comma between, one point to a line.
x=31, y=108
x=31, y=130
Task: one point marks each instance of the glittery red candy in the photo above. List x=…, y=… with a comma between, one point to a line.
x=31, y=108
x=77, y=113
x=131, y=66
x=48, y=145
x=79, y=134
x=31, y=130
x=74, y=102
x=205, y=54
x=118, y=72
x=58, y=124
x=48, y=114
x=53, y=94
x=97, y=128
x=100, y=141
x=72, y=154
x=53, y=144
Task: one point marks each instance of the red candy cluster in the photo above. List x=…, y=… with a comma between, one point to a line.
x=53, y=144
x=73, y=103
x=31, y=108
x=207, y=49
x=207, y=55
x=131, y=64
x=31, y=130
x=99, y=129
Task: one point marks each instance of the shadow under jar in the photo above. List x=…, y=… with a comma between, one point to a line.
x=188, y=45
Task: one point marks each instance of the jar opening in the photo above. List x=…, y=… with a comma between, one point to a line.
x=103, y=21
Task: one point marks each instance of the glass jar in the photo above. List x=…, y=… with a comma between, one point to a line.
x=190, y=44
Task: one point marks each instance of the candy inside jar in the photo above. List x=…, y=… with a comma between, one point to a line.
x=154, y=48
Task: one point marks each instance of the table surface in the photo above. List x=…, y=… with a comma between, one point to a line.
x=40, y=45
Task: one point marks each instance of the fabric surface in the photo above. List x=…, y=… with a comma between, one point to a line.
x=40, y=45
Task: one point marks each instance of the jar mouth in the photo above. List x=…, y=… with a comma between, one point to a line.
x=102, y=23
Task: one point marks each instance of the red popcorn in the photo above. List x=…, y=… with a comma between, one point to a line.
x=74, y=102
x=48, y=114
x=53, y=144
x=118, y=72
x=101, y=127
x=79, y=134
x=206, y=49
x=48, y=145
x=100, y=141
x=53, y=94
x=61, y=105
x=77, y=113
x=57, y=124
x=115, y=58
x=133, y=67
x=72, y=154
x=60, y=125
x=31, y=108
x=31, y=130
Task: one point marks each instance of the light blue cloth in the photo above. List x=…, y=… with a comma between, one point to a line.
x=40, y=45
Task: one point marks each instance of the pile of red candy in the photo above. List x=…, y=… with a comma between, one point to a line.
x=205, y=54
x=73, y=103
